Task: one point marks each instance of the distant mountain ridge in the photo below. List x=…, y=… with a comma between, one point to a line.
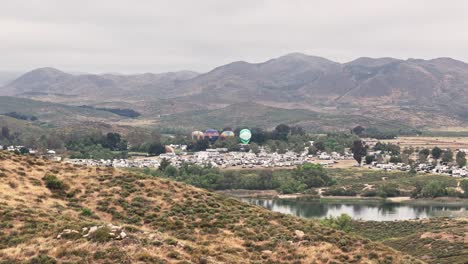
x=414, y=91
x=52, y=81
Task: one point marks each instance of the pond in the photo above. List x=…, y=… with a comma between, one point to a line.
x=362, y=211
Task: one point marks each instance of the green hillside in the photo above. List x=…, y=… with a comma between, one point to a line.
x=57, y=114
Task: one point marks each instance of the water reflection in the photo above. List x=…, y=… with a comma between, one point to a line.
x=376, y=212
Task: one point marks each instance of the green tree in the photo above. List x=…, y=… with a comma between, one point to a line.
x=281, y=132
x=464, y=187
x=423, y=154
x=359, y=151
x=5, y=133
x=358, y=130
x=163, y=164
x=434, y=189
x=254, y=148
x=24, y=150
x=199, y=145
x=447, y=156
x=156, y=149
x=312, y=175
x=319, y=145
x=395, y=159
x=312, y=150
x=461, y=158
x=370, y=159
x=170, y=171
x=436, y=153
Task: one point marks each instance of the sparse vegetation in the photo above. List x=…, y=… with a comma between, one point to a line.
x=171, y=220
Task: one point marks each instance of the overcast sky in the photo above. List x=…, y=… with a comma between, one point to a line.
x=132, y=36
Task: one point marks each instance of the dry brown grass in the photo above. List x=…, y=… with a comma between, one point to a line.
x=166, y=222
x=430, y=142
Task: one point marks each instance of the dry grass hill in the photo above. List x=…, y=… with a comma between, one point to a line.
x=59, y=213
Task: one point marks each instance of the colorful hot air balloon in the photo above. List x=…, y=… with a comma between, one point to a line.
x=227, y=134
x=212, y=135
x=197, y=135
x=169, y=149
x=245, y=136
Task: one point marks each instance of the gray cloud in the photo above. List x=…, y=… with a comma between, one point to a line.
x=156, y=36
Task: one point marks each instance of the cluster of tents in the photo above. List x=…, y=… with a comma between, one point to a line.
x=212, y=135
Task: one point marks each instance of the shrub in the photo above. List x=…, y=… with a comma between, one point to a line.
x=339, y=192
x=42, y=259
x=86, y=212
x=389, y=190
x=342, y=222
x=53, y=183
x=101, y=235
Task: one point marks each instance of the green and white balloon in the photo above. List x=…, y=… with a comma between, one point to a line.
x=245, y=136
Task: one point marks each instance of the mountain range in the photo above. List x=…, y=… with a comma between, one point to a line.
x=415, y=92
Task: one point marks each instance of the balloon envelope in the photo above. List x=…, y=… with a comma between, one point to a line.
x=245, y=136
x=197, y=135
x=227, y=134
x=212, y=134
x=169, y=149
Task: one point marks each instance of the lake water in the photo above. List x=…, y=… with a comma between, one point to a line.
x=370, y=211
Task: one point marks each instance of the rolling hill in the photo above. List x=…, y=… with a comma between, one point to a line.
x=52, y=212
x=413, y=92
x=53, y=113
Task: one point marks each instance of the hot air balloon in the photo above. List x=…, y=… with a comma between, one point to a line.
x=169, y=149
x=197, y=135
x=212, y=135
x=245, y=136
x=227, y=134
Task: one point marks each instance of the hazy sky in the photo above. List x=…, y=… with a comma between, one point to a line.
x=133, y=36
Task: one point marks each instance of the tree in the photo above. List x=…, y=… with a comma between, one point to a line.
x=297, y=130
x=464, y=187
x=312, y=175
x=24, y=150
x=254, y=148
x=312, y=150
x=281, y=132
x=113, y=141
x=370, y=159
x=436, y=153
x=319, y=145
x=359, y=151
x=358, y=130
x=156, y=149
x=461, y=158
x=5, y=133
x=423, y=154
x=434, y=189
x=164, y=164
x=447, y=156
x=258, y=135
x=395, y=159
x=199, y=145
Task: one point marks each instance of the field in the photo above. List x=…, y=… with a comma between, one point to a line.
x=430, y=142
x=164, y=222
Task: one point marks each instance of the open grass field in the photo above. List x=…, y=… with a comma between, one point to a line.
x=430, y=142
x=164, y=222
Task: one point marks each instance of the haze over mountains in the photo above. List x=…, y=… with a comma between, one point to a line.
x=414, y=92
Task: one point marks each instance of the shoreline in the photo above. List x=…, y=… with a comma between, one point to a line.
x=273, y=194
